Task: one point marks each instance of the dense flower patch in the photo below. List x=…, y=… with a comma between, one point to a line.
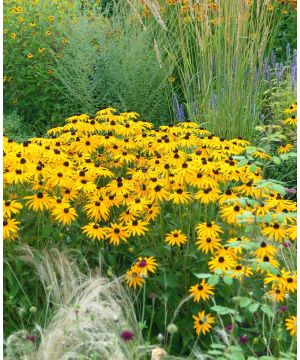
x=119, y=179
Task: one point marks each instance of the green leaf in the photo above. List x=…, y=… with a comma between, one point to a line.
x=245, y=301
x=250, y=150
x=222, y=310
x=213, y=280
x=284, y=156
x=242, y=163
x=203, y=276
x=252, y=168
x=214, y=352
x=253, y=307
x=267, y=310
x=276, y=160
x=228, y=280
x=217, y=346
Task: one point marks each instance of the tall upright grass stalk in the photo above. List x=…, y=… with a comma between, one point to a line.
x=218, y=55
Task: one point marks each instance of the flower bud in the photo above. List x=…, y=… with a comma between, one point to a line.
x=172, y=329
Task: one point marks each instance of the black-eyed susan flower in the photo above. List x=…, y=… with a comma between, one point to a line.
x=267, y=260
x=11, y=207
x=176, y=237
x=64, y=215
x=201, y=291
x=240, y=270
x=283, y=149
x=94, y=231
x=10, y=229
x=291, y=121
x=277, y=294
x=208, y=195
x=38, y=202
x=291, y=108
x=221, y=262
x=230, y=213
x=133, y=279
x=203, y=322
x=291, y=325
x=137, y=227
x=97, y=210
x=289, y=281
x=116, y=233
x=209, y=229
x=208, y=244
x=275, y=231
x=265, y=249
x=179, y=196
x=144, y=265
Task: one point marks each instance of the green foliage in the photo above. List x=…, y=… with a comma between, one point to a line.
x=130, y=72
x=15, y=127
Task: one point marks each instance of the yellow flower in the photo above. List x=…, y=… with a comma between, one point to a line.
x=94, y=231
x=41, y=50
x=285, y=148
x=203, y=322
x=29, y=56
x=58, y=56
x=144, y=265
x=206, y=244
x=65, y=215
x=51, y=18
x=133, y=279
x=171, y=79
x=13, y=35
x=291, y=325
x=48, y=33
x=10, y=228
x=201, y=291
x=175, y=237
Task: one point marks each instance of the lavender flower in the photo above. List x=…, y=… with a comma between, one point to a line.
x=179, y=109
x=288, y=51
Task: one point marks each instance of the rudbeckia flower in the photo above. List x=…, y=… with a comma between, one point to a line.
x=207, y=244
x=11, y=207
x=201, y=291
x=203, y=322
x=94, y=231
x=175, y=237
x=64, y=215
x=10, y=229
x=116, y=233
x=291, y=325
x=38, y=202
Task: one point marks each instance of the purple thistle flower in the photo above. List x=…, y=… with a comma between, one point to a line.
x=229, y=327
x=283, y=308
x=244, y=339
x=127, y=335
x=31, y=338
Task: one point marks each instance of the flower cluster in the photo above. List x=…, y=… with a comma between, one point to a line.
x=114, y=175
